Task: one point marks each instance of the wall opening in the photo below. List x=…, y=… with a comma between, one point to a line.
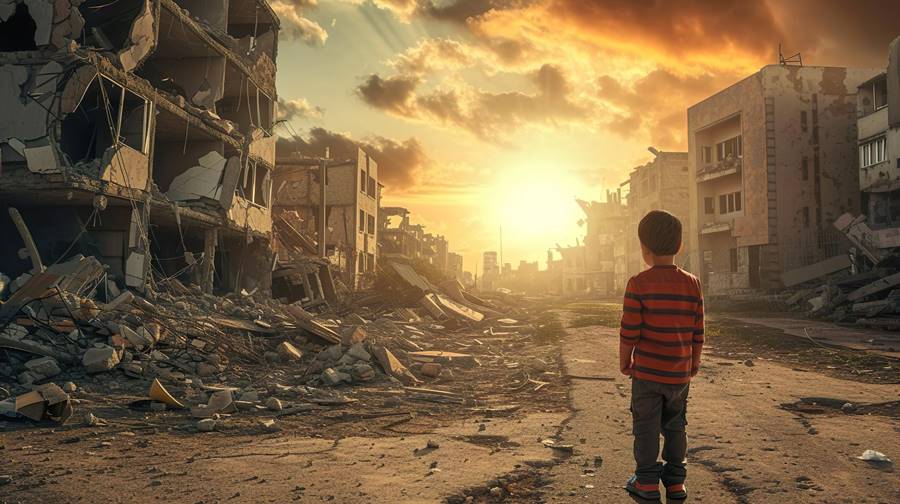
x=17, y=32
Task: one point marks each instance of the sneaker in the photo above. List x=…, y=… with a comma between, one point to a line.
x=644, y=491
x=676, y=492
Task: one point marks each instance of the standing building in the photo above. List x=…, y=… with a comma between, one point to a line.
x=879, y=144
x=772, y=163
x=140, y=132
x=351, y=206
x=490, y=271
x=661, y=184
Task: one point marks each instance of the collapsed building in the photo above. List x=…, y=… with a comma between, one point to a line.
x=772, y=163
x=140, y=132
x=399, y=237
x=595, y=265
x=352, y=200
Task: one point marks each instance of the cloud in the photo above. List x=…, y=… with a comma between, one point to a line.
x=489, y=116
x=401, y=163
x=294, y=25
x=299, y=108
x=392, y=94
x=434, y=54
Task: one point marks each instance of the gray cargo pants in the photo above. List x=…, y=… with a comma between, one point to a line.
x=659, y=407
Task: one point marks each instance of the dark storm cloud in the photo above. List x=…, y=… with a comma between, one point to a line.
x=392, y=94
x=400, y=163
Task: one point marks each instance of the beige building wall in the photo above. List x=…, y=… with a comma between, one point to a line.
x=786, y=182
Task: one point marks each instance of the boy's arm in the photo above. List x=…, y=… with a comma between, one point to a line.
x=697, y=340
x=630, y=331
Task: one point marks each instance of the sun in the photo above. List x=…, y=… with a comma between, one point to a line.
x=536, y=209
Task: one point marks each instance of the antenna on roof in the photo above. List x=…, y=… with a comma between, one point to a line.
x=795, y=60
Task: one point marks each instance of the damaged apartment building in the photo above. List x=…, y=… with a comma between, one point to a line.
x=140, y=132
x=661, y=184
x=773, y=163
x=879, y=151
x=591, y=267
x=352, y=199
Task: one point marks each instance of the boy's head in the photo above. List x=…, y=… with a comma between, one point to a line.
x=660, y=235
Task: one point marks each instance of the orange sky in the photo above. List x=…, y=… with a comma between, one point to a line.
x=490, y=113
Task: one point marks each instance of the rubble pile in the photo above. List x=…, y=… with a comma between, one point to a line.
x=862, y=287
x=175, y=347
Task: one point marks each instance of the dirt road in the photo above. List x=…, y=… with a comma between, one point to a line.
x=753, y=438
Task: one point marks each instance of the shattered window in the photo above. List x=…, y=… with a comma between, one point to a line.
x=18, y=30
x=106, y=111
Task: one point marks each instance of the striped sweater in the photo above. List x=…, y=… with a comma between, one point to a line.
x=662, y=324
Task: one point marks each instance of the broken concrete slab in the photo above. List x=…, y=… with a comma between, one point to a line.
x=100, y=359
x=200, y=181
x=875, y=287
x=392, y=366
x=816, y=270
x=288, y=351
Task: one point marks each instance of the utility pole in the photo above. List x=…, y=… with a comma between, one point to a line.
x=501, y=250
x=323, y=214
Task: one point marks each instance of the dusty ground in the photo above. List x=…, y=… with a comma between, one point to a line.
x=770, y=432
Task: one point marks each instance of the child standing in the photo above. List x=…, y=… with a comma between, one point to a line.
x=659, y=347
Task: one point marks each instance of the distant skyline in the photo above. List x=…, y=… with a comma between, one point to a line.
x=502, y=112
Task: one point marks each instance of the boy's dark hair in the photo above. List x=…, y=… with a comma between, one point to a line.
x=660, y=232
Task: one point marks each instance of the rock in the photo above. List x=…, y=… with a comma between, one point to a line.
x=139, y=341
x=250, y=396
x=14, y=331
x=358, y=352
x=431, y=369
x=206, y=425
x=272, y=357
x=289, y=351
x=332, y=377
x=330, y=354
x=353, y=335
x=274, y=404
x=205, y=370
x=749, y=363
x=69, y=387
x=496, y=492
x=848, y=407
x=100, y=359
x=151, y=332
x=27, y=378
x=363, y=371
x=133, y=369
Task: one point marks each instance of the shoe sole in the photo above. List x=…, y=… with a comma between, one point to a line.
x=676, y=496
x=642, y=494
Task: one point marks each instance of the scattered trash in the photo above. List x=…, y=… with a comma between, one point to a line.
x=874, y=456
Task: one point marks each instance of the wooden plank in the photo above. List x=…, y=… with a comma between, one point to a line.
x=305, y=321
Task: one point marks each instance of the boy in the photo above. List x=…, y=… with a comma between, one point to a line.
x=659, y=347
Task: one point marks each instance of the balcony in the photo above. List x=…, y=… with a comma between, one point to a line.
x=712, y=171
x=715, y=227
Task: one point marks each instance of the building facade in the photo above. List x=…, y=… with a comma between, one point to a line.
x=661, y=184
x=351, y=206
x=605, y=226
x=140, y=132
x=878, y=144
x=772, y=163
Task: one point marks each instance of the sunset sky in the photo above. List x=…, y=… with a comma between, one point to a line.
x=490, y=113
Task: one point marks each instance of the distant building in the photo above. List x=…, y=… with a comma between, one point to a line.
x=661, y=184
x=399, y=238
x=772, y=162
x=490, y=270
x=574, y=274
x=455, y=266
x=351, y=202
x=605, y=226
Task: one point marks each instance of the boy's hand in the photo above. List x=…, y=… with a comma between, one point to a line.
x=694, y=371
x=628, y=371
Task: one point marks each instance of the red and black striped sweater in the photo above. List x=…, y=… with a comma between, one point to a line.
x=662, y=323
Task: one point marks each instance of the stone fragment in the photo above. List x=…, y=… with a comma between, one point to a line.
x=250, y=396
x=69, y=387
x=274, y=404
x=100, y=359
x=205, y=370
x=358, y=352
x=43, y=367
x=332, y=377
x=353, y=335
x=206, y=425
x=289, y=351
x=431, y=369
x=330, y=354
